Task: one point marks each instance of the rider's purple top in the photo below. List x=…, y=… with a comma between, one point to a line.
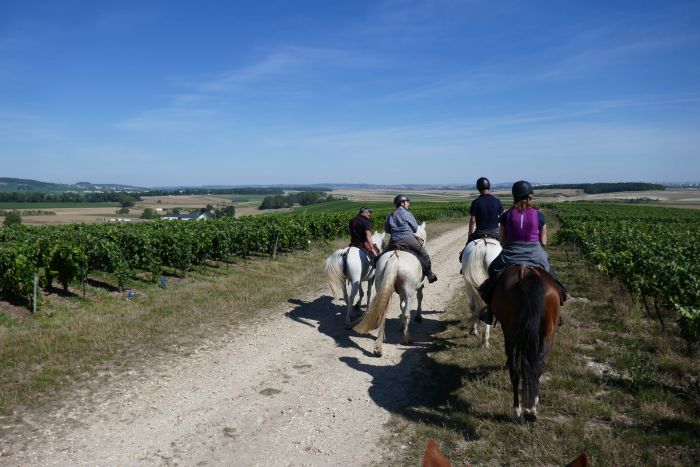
x=522, y=226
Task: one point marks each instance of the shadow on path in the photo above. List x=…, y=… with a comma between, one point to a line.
x=408, y=388
x=327, y=317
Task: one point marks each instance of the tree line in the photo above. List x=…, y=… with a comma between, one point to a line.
x=303, y=198
x=116, y=196
x=594, y=188
x=64, y=197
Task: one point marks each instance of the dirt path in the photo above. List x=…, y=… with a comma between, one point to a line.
x=296, y=390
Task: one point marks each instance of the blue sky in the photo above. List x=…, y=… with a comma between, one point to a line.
x=160, y=93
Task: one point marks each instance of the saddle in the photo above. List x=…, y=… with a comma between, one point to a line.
x=399, y=247
x=486, y=289
x=370, y=256
x=472, y=238
x=476, y=235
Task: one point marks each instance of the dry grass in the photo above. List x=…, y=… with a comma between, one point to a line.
x=616, y=385
x=72, y=335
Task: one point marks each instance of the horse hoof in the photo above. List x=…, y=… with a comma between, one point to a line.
x=377, y=353
x=530, y=415
x=407, y=341
x=515, y=414
x=418, y=319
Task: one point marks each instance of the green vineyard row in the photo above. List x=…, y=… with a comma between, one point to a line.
x=71, y=252
x=653, y=250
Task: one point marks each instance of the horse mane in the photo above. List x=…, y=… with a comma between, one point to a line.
x=421, y=233
x=378, y=240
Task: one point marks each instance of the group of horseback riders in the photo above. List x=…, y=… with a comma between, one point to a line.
x=401, y=225
x=521, y=230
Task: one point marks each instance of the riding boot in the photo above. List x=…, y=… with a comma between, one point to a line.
x=372, y=259
x=486, y=315
x=428, y=273
x=486, y=289
x=426, y=264
x=563, y=292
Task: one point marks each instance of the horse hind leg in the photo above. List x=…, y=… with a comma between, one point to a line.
x=530, y=414
x=487, y=335
x=362, y=294
x=419, y=309
x=370, y=283
x=380, y=339
x=405, y=320
x=349, y=302
x=516, y=411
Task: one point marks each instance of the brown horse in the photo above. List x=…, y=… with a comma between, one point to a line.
x=433, y=457
x=526, y=302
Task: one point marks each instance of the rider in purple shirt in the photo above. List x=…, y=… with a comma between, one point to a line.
x=523, y=235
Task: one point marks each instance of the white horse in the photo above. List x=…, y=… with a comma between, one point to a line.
x=351, y=264
x=400, y=272
x=476, y=257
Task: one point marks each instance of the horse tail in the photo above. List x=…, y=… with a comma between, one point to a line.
x=531, y=293
x=334, y=271
x=380, y=303
x=475, y=272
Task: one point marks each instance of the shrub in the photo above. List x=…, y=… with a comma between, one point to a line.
x=12, y=218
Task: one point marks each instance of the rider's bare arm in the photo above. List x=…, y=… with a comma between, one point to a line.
x=543, y=235
x=472, y=224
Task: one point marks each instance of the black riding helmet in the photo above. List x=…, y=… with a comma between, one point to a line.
x=365, y=208
x=483, y=184
x=521, y=190
x=398, y=199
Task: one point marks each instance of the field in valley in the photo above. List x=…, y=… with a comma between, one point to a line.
x=248, y=204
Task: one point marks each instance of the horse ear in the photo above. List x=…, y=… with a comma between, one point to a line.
x=423, y=225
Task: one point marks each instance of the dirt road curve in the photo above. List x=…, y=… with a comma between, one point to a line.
x=296, y=390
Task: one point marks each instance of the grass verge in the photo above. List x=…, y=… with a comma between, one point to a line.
x=615, y=385
x=74, y=336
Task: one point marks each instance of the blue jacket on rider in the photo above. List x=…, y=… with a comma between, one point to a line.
x=400, y=224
